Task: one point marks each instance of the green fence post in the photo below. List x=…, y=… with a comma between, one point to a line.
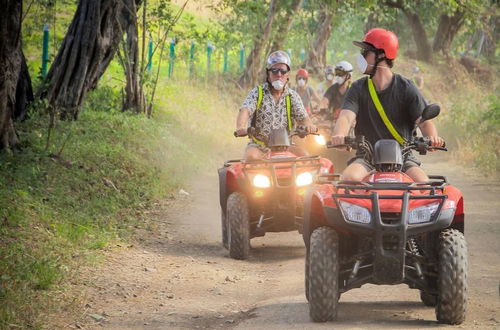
x=150, y=54
x=302, y=54
x=45, y=50
x=191, y=59
x=172, y=57
x=332, y=56
x=209, y=56
x=242, y=57
x=225, y=67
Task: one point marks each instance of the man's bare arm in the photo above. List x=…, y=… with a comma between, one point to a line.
x=242, y=121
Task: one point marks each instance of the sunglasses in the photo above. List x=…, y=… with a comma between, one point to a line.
x=276, y=70
x=301, y=78
x=340, y=73
x=365, y=51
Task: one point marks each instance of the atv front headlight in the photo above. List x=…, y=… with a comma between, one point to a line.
x=423, y=213
x=261, y=181
x=320, y=139
x=355, y=213
x=303, y=179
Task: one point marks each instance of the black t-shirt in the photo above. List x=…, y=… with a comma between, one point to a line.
x=334, y=97
x=402, y=102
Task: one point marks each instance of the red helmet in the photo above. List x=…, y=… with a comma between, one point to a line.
x=302, y=73
x=380, y=39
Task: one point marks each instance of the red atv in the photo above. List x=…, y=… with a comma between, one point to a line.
x=265, y=195
x=386, y=229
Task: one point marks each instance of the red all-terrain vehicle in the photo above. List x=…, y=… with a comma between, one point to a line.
x=386, y=229
x=266, y=195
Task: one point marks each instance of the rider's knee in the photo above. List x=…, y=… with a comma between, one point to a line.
x=253, y=154
x=417, y=174
x=354, y=172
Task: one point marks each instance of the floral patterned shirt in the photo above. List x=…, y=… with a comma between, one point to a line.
x=272, y=114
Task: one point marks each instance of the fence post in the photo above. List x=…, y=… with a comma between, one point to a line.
x=191, y=59
x=242, y=57
x=172, y=57
x=150, y=54
x=302, y=54
x=209, y=56
x=45, y=50
x=225, y=67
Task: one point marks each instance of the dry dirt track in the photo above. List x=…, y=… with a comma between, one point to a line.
x=179, y=277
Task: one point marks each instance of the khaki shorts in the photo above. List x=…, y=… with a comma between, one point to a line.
x=409, y=162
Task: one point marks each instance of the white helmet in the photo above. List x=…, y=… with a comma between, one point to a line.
x=276, y=57
x=342, y=68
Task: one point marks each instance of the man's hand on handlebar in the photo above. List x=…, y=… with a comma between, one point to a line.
x=435, y=141
x=311, y=128
x=242, y=131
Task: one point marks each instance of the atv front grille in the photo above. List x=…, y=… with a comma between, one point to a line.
x=390, y=218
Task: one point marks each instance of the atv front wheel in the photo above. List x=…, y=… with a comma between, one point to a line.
x=323, y=274
x=238, y=226
x=452, y=277
x=428, y=299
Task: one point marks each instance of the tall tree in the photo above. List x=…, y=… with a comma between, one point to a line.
x=448, y=27
x=424, y=49
x=10, y=59
x=253, y=62
x=316, y=59
x=285, y=24
x=86, y=51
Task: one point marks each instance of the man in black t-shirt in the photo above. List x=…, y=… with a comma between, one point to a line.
x=401, y=100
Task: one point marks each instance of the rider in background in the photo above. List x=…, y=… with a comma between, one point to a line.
x=324, y=85
x=306, y=92
x=334, y=95
x=265, y=108
x=400, y=99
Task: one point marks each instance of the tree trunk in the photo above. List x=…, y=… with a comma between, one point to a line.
x=424, y=50
x=10, y=59
x=286, y=24
x=447, y=30
x=24, y=92
x=253, y=63
x=316, y=59
x=86, y=51
x=134, y=96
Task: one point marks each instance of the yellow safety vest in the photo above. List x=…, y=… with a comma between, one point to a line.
x=260, y=96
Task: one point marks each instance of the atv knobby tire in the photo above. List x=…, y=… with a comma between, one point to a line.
x=452, y=277
x=428, y=299
x=238, y=226
x=224, y=229
x=323, y=274
x=306, y=275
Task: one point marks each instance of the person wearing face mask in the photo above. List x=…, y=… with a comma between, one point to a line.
x=306, y=92
x=329, y=76
x=334, y=95
x=400, y=100
x=265, y=108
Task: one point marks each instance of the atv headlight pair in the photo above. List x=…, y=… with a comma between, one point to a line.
x=263, y=181
x=423, y=213
x=355, y=213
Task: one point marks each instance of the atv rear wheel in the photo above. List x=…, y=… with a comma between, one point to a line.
x=452, y=277
x=428, y=299
x=224, y=229
x=323, y=274
x=306, y=275
x=238, y=226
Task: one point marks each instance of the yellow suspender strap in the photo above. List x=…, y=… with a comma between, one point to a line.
x=382, y=113
x=289, y=112
x=259, y=104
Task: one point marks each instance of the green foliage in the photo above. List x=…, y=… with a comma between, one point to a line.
x=88, y=189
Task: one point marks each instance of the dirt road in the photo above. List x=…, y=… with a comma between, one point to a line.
x=179, y=277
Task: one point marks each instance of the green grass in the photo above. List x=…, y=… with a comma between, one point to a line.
x=87, y=190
